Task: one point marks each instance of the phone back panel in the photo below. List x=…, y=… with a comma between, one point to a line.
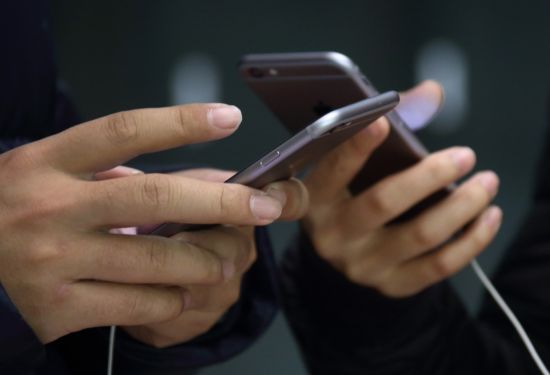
x=301, y=87
x=312, y=143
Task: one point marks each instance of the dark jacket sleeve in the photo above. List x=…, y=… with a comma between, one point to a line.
x=346, y=329
x=20, y=350
x=31, y=107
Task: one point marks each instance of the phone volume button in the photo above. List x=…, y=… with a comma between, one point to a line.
x=269, y=158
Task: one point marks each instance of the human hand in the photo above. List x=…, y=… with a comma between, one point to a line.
x=401, y=259
x=60, y=265
x=234, y=244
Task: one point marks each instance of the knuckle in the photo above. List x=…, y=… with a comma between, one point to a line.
x=121, y=127
x=18, y=158
x=229, y=194
x=22, y=205
x=135, y=307
x=106, y=193
x=39, y=213
x=211, y=270
x=155, y=191
x=424, y=236
x=157, y=255
x=183, y=121
x=39, y=255
x=173, y=308
x=167, y=305
x=440, y=267
x=214, y=273
x=380, y=202
x=62, y=294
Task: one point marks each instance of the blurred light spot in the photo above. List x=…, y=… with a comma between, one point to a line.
x=195, y=79
x=444, y=61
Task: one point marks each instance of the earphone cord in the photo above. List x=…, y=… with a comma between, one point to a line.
x=486, y=283
x=510, y=315
x=112, y=332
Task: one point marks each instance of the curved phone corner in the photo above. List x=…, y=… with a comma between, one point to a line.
x=396, y=94
x=341, y=60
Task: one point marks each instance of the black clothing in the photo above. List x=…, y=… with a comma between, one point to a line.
x=347, y=329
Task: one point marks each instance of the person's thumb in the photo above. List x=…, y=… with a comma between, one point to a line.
x=420, y=104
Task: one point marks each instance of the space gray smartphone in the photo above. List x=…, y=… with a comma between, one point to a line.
x=305, y=147
x=301, y=87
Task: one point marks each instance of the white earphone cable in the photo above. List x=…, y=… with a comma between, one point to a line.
x=112, y=332
x=486, y=283
x=511, y=316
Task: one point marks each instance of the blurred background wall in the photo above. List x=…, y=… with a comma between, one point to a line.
x=493, y=58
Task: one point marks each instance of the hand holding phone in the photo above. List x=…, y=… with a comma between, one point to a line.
x=305, y=147
x=300, y=87
x=381, y=210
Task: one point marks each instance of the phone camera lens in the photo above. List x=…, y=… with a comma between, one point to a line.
x=256, y=72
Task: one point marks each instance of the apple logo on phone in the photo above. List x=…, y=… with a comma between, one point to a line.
x=321, y=108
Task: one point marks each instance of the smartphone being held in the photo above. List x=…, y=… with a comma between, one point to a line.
x=305, y=147
x=301, y=87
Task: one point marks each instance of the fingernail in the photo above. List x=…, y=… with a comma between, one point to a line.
x=224, y=116
x=463, y=158
x=489, y=181
x=127, y=231
x=265, y=207
x=228, y=269
x=277, y=193
x=130, y=170
x=493, y=217
x=186, y=296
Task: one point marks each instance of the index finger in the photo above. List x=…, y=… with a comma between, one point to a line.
x=111, y=140
x=156, y=198
x=329, y=179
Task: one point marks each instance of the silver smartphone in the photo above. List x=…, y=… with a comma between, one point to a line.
x=301, y=87
x=305, y=147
